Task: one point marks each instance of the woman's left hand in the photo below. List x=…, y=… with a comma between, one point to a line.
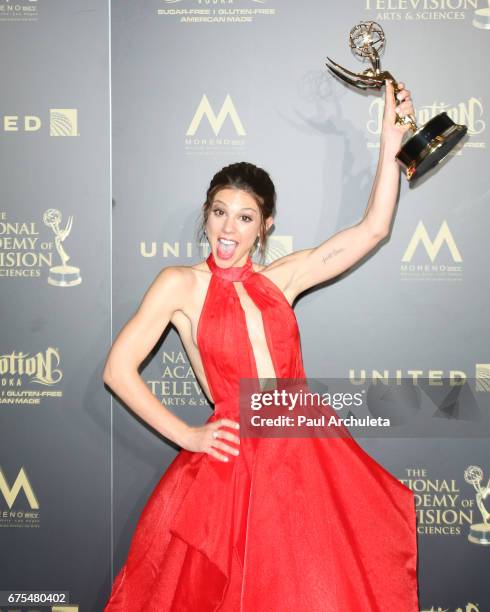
x=391, y=132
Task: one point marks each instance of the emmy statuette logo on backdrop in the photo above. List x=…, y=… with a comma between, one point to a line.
x=429, y=144
x=63, y=275
x=479, y=532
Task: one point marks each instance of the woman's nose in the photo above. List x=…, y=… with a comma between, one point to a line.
x=229, y=225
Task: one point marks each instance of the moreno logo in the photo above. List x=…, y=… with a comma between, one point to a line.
x=216, y=121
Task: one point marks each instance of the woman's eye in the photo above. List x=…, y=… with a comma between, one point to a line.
x=218, y=212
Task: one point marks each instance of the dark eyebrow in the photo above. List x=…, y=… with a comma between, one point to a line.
x=247, y=208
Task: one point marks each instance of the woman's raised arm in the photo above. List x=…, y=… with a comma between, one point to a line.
x=304, y=269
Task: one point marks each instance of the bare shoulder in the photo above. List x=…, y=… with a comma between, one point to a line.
x=178, y=284
x=170, y=286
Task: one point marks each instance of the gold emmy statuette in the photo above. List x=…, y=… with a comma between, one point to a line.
x=64, y=275
x=479, y=532
x=429, y=144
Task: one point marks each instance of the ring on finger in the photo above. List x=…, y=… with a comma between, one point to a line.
x=215, y=433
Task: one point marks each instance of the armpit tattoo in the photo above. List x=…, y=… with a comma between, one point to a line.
x=332, y=254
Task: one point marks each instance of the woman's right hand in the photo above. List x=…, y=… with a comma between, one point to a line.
x=210, y=437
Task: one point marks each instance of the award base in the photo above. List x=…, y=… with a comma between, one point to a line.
x=64, y=276
x=429, y=145
x=480, y=534
x=482, y=18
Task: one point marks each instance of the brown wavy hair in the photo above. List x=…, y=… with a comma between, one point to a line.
x=250, y=178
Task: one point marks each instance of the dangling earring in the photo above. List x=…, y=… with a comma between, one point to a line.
x=254, y=246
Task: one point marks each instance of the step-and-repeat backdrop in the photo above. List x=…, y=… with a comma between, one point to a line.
x=114, y=119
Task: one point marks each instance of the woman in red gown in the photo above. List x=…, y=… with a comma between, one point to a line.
x=243, y=524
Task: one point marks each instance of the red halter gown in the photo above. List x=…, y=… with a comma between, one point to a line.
x=288, y=525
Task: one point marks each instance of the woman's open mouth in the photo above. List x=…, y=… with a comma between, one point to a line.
x=226, y=248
